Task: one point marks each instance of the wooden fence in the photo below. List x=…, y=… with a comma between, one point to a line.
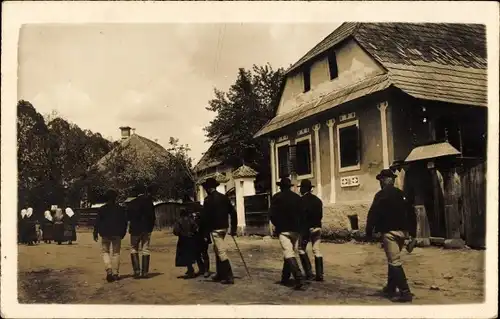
x=257, y=214
x=166, y=215
x=473, y=206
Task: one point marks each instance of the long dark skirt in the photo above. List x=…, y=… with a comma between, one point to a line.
x=48, y=231
x=30, y=235
x=69, y=232
x=186, y=252
x=59, y=232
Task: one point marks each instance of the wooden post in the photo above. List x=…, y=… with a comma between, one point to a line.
x=423, y=229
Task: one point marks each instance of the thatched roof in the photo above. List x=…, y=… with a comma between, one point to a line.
x=142, y=152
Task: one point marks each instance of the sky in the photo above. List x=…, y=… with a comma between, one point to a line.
x=156, y=78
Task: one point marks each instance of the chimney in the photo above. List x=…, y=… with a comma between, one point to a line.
x=125, y=132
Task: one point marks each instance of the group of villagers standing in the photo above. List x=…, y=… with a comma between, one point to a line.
x=56, y=225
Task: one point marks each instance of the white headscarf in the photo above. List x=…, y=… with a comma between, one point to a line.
x=48, y=216
x=69, y=212
x=29, y=212
x=59, y=214
x=23, y=213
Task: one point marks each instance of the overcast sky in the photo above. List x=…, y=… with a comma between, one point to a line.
x=156, y=78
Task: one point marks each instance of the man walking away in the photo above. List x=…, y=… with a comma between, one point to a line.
x=202, y=242
x=142, y=220
x=390, y=215
x=287, y=216
x=214, y=219
x=311, y=232
x=111, y=225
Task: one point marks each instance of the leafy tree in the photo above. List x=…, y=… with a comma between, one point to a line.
x=33, y=154
x=241, y=112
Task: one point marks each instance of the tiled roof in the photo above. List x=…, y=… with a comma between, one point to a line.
x=244, y=171
x=208, y=159
x=441, y=62
x=334, y=98
x=403, y=43
x=444, y=43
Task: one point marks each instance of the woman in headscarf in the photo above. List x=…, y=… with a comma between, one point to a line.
x=30, y=228
x=22, y=227
x=48, y=228
x=59, y=226
x=186, y=228
x=69, y=226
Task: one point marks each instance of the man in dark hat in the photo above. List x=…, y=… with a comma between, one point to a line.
x=214, y=219
x=287, y=217
x=398, y=168
x=311, y=231
x=142, y=218
x=111, y=225
x=391, y=215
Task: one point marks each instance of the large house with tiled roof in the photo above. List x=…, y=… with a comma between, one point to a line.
x=368, y=94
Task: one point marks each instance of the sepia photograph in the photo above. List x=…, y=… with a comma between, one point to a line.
x=349, y=162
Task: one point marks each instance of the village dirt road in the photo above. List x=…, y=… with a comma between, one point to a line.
x=354, y=273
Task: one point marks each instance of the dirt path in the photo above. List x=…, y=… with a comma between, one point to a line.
x=353, y=275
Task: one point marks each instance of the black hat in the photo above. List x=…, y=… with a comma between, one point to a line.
x=385, y=173
x=306, y=183
x=285, y=182
x=210, y=183
x=110, y=194
x=397, y=163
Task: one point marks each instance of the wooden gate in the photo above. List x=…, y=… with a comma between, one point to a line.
x=257, y=214
x=473, y=182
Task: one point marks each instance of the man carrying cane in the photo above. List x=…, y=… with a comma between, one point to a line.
x=287, y=217
x=390, y=215
x=311, y=231
x=214, y=218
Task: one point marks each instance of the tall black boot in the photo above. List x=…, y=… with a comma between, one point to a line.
x=135, y=265
x=217, y=276
x=405, y=294
x=145, y=266
x=390, y=289
x=285, y=273
x=227, y=273
x=306, y=264
x=201, y=265
x=297, y=274
x=318, y=263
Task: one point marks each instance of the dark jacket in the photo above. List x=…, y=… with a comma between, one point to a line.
x=141, y=214
x=286, y=212
x=313, y=211
x=111, y=221
x=390, y=211
x=216, y=209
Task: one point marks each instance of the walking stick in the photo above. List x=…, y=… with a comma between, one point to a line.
x=242, y=259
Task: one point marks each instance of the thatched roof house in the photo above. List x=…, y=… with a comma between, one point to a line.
x=135, y=154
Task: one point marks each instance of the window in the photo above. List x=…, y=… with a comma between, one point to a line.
x=283, y=160
x=348, y=145
x=332, y=65
x=301, y=156
x=307, y=79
